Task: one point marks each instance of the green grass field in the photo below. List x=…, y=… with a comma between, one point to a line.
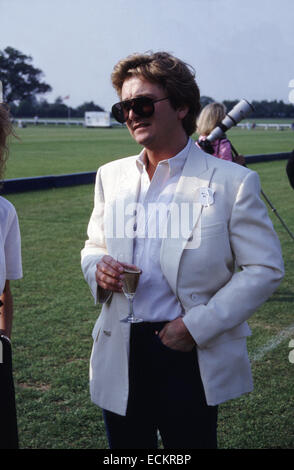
x=54, y=312
x=58, y=150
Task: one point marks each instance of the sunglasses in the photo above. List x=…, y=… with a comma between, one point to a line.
x=142, y=106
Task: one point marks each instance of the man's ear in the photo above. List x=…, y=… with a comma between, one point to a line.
x=183, y=111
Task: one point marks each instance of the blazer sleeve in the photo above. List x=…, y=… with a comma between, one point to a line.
x=95, y=245
x=257, y=253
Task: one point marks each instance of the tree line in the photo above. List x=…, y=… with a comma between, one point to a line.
x=267, y=109
x=23, y=84
x=31, y=107
x=262, y=109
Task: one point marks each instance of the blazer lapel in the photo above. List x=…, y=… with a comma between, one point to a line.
x=125, y=190
x=185, y=212
x=122, y=212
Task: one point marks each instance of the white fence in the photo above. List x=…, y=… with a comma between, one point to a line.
x=23, y=122
x=45, y=122
x=266, y=125
x=76, y=122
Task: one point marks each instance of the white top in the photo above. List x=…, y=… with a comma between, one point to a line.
x=154, y=300
x=10, y=244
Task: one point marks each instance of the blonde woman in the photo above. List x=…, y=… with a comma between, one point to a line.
x=210, y=117
x=10, y=268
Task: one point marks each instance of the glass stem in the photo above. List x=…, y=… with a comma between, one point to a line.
x=131, y=300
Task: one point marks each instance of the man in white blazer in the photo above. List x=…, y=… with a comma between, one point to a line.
x=208, y=262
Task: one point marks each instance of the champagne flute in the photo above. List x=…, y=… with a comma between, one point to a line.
x=130, y=282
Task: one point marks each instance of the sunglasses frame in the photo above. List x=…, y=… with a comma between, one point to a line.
x=119, y=109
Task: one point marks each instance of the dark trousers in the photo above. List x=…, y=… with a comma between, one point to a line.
x=166, y=394
x=8, y=422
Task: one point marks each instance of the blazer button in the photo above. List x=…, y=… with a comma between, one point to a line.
x=190, y=238
x=194, y=297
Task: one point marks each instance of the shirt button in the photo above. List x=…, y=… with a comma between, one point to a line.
x=135, y=227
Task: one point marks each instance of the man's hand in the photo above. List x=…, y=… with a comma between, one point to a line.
x=175, y=335
x=6, y=311
x=109, y=273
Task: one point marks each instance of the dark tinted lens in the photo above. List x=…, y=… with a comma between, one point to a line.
x=118, y=113
x=143, y=107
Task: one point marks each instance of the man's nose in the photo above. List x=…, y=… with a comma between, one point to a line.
x=132, y=115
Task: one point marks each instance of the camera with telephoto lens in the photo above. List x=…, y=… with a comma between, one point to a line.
x=239, y=112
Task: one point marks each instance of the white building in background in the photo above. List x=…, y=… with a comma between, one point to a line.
x=97, y=119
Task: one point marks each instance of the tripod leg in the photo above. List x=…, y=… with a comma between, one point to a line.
x=274, y=210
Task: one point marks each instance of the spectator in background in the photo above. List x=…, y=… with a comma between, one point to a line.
x=209, y=118
x=290, y=169
x=10, y=268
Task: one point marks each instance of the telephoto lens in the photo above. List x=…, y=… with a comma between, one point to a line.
x=239, y=112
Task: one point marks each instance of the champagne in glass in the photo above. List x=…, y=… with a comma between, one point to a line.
x=130, y=283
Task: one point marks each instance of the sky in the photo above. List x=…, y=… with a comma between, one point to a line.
x=238, y=48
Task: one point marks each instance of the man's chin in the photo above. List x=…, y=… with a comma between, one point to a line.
x=142, y=140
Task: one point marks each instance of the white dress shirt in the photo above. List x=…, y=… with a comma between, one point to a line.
x=154, y=300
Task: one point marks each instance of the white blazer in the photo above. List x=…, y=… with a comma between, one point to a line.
x=233, y=267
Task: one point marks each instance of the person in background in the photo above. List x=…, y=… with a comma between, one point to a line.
x=210, y=116
x=10, y=268
x=290, y=169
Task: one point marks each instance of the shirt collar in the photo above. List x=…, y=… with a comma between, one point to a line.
x=175, y=164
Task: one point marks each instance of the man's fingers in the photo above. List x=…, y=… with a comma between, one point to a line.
x=108, y=270
x=111, y=263
x=108, y=283
x=108, y=274
x=176, y=336
x=161, y=333
x=110, y=286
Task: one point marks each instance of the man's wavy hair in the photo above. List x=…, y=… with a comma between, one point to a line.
x=175, y=76
x=5, y=131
